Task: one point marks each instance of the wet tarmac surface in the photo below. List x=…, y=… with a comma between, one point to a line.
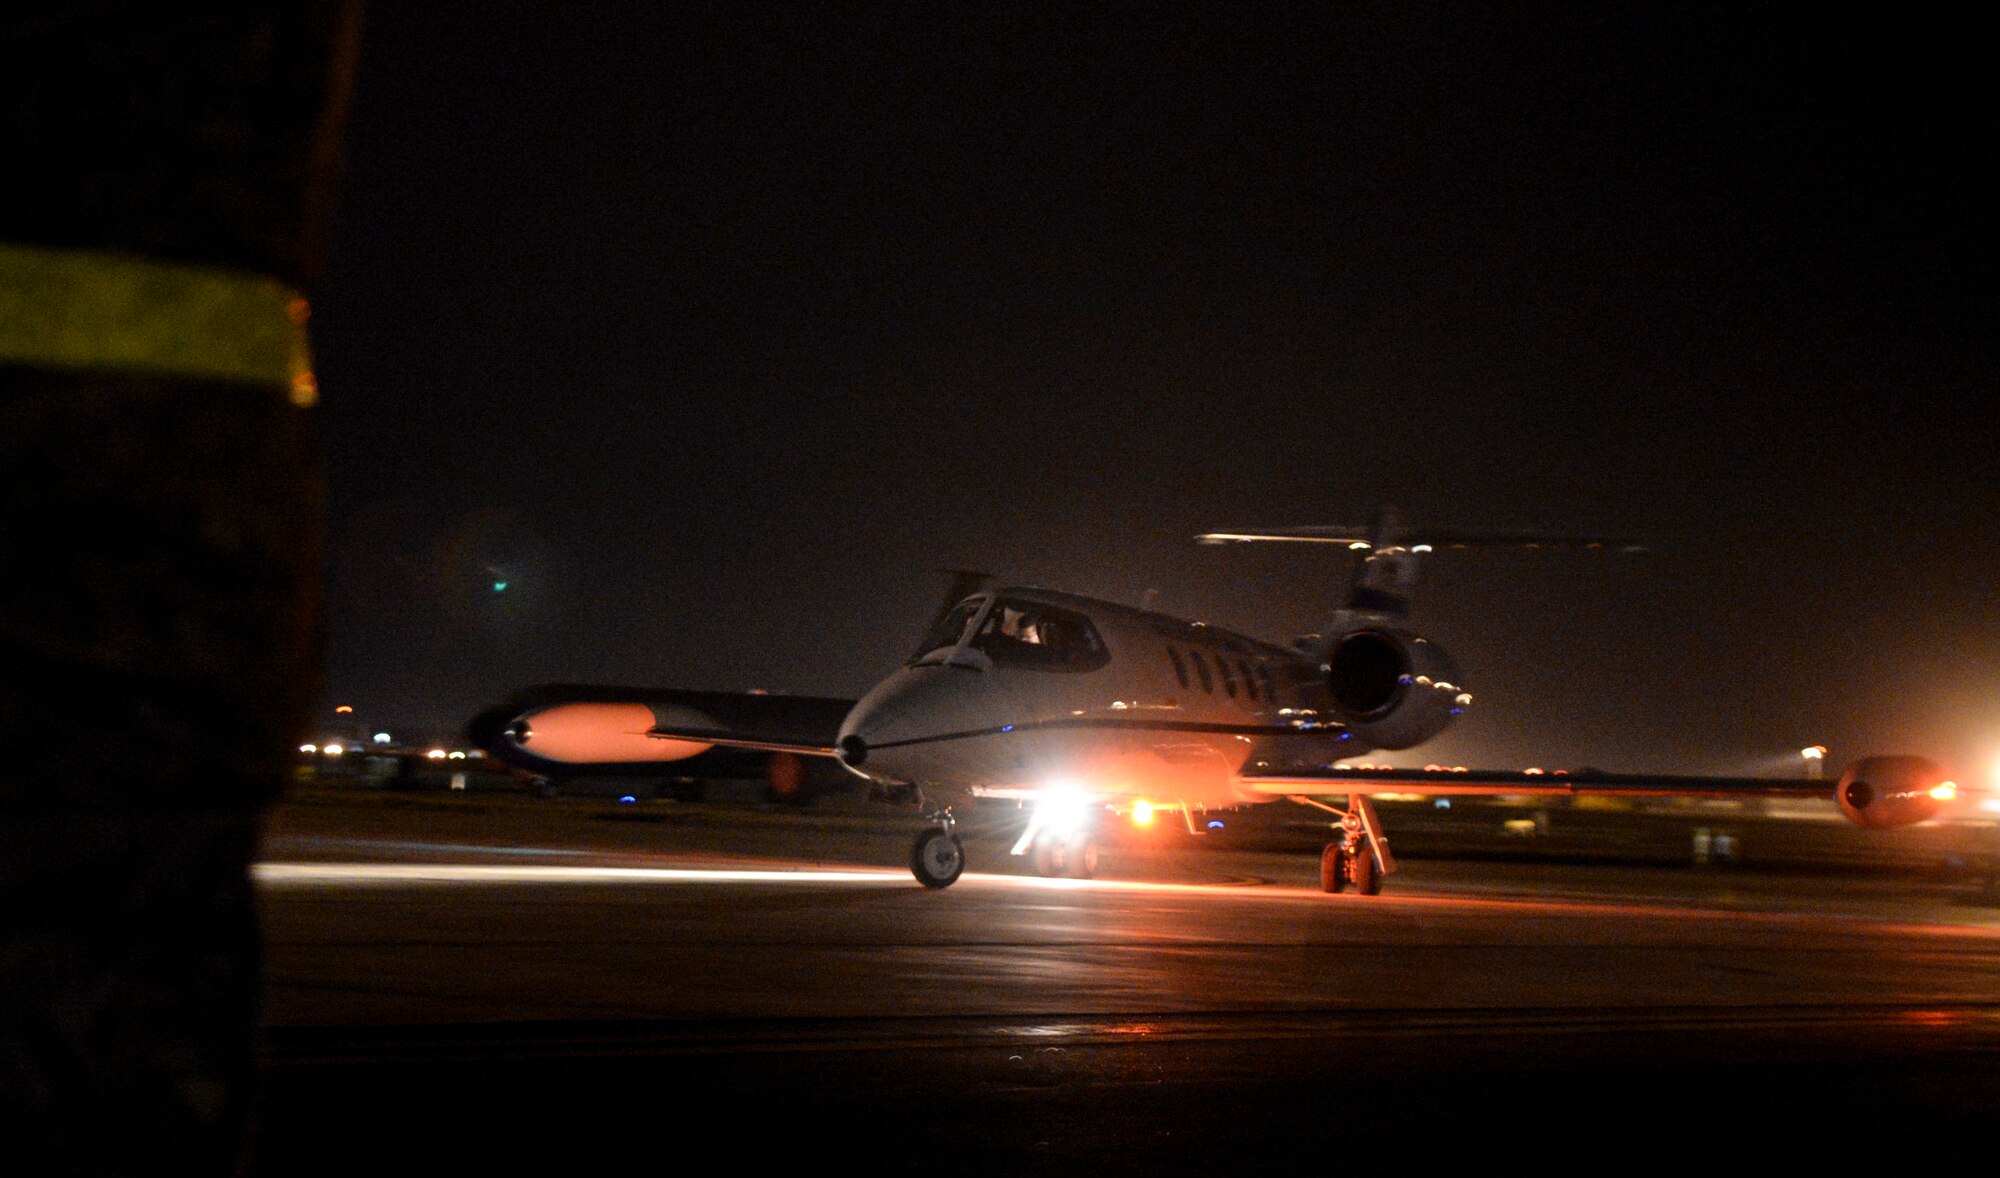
x=476, y=982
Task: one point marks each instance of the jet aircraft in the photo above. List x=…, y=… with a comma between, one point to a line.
x=1080, y=707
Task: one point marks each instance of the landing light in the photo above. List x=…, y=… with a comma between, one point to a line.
x=1062, y=810
x=1142, y=814
x=1945, y=791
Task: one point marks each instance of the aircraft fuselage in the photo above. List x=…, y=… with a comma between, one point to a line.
x=1117, y=704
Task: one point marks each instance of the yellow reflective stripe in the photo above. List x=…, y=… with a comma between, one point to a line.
x=97, y=311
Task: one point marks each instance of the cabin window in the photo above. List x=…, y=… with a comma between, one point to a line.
x=1264, y=674
x=1201, y=671
x=1032, y=636
x=1228, y=676
x=1180, y=667
x=1249, y=680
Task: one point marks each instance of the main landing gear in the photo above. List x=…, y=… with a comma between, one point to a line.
x=1360, y=858
x=1058, y=840
x=937, y=858
x=1074, y=856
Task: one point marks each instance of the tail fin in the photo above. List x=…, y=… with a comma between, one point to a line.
x=1387, y=577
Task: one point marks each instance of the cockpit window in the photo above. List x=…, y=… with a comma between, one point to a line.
x=1030, y=635
x=951, y=629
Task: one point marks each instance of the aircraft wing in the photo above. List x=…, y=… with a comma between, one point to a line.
x=1445, y=783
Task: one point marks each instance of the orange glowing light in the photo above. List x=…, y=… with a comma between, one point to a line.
x=1142, y=814
x=1945, y=791
x=344, y=710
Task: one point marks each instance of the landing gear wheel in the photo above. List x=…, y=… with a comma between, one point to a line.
x=1362, y=873
x=1080, y=858
x=937, y=858
x=1332, y=868
x=1048, y=856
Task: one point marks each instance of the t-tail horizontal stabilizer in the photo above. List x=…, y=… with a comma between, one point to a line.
x=1387, y=578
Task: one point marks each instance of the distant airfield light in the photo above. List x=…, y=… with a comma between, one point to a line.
x=1357, y=546
x=308, y=748
x=1533, y=770
x=381, y=738
x=457, y=755
x=344, y=710
x=435, y=754
x=1420, y=548
x=1815, y=757
x=333, y=750
x=499, y=586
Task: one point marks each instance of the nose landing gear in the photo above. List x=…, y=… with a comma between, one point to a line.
x=937, y=858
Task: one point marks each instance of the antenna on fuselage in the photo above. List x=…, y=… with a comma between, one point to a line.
x=1387, y=576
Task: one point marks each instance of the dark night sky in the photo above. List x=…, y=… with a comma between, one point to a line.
x=718, y=333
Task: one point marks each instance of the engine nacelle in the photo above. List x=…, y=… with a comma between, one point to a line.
x=1881, y=792
x=1391, y=688
x=591, y=732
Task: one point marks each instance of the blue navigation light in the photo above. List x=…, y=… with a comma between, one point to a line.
x=628, y=798
x=1006, y=728
x=1215, y=824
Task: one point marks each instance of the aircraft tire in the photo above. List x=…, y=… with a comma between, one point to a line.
x=937, y=858
x=1332, y=869
x=1048, y=854
x=1080, y=857
x=1361, y=870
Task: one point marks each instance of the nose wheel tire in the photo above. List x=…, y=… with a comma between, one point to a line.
x=937, y=859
